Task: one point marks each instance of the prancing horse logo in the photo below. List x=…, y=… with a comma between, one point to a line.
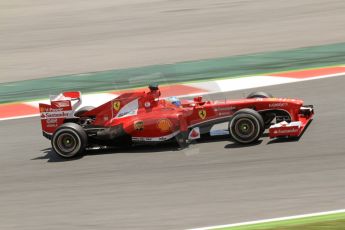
x=202, y=114
x=117, y=105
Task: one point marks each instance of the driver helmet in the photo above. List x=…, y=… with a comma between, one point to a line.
x=174, y=100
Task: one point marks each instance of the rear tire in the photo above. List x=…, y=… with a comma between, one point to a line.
x=69, y=140
x=246, y=126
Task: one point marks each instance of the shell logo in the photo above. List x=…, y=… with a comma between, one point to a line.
x=164, y=125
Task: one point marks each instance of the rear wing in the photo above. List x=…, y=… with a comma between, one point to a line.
x=54, y=114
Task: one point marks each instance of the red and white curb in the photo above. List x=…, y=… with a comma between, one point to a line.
x=30, y=109
x=248, y=223
x=226, y=85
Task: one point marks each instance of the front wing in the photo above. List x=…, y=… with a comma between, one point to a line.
x=295, y=128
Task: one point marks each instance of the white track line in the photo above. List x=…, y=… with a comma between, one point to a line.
x=271, y=220
x=213, y=86
x=323, y=76
x=233, y=84
x=93, y=99
x=19, y=117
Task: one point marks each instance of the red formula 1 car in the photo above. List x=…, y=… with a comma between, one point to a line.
x=144, y=117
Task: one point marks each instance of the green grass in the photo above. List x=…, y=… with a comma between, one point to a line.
x=323, y=222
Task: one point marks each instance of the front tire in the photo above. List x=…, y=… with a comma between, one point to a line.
x=69, y=140
x=246, y=126
x=259, y=95
x=268, y=117
x=182, y=139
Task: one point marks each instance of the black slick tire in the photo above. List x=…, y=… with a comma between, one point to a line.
x=69, y=140
x=246, y=126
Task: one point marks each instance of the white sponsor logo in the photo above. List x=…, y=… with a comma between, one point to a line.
x=143, y=139
x=62, y=103
x=285, y=131
x=162, y=138
x=55, y=114
x=278, y=104
x=224, y=108
x=51, y=120
x=53, y=110
x=224, y=113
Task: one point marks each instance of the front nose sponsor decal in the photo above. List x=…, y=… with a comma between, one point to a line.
x=278, y=104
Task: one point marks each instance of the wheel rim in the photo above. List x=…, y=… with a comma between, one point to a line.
x=66, y=143
x=244, y=128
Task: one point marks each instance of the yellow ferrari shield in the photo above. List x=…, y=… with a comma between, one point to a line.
x=202, y=114
x=117, y=105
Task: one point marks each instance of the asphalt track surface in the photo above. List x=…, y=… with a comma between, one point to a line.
x=43, y=38
x=210, y=183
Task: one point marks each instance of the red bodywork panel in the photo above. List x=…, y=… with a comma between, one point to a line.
x=54, y=115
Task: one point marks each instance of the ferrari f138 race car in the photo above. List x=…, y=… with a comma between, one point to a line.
x=143, y=117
